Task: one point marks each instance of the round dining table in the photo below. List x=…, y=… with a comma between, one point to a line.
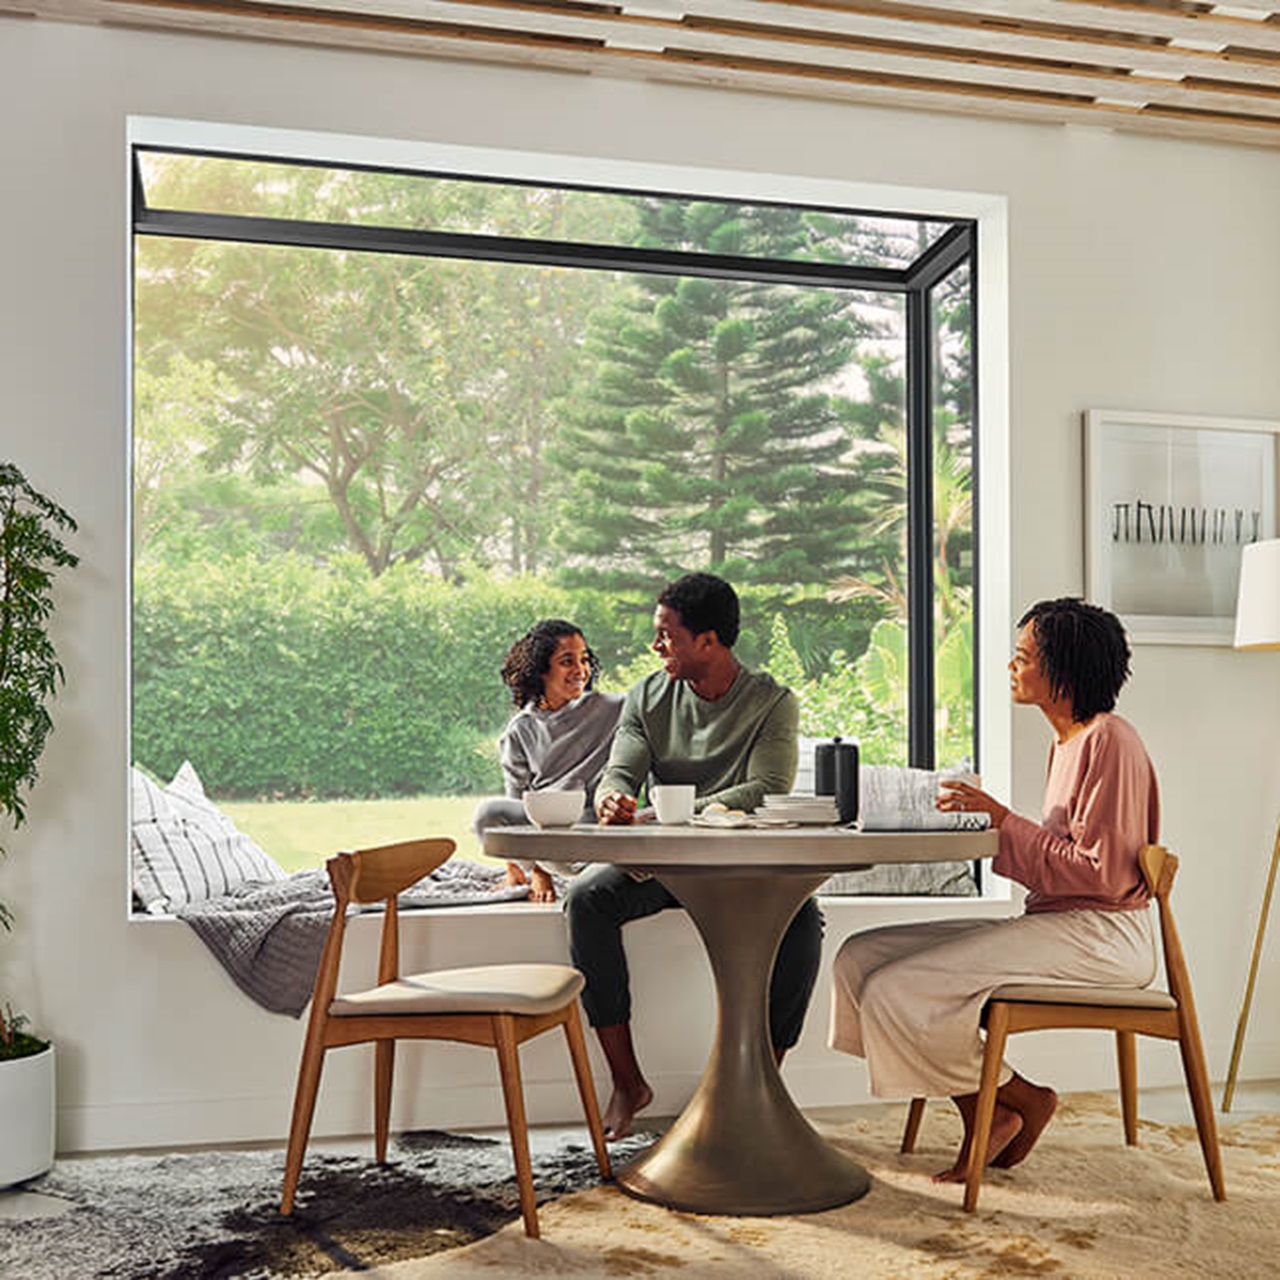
x=741, y=1145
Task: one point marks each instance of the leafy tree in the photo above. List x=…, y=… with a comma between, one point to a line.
x=175, y=407
x=862, y=699
x=411, y=394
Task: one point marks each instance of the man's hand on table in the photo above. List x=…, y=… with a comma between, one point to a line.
x=616, y=809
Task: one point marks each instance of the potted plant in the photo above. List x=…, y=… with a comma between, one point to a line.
x=31, y=551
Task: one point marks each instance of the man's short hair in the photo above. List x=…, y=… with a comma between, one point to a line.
x=1084, y=653
x=704, y=603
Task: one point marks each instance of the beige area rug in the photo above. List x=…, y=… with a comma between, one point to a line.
x=1083, y=1205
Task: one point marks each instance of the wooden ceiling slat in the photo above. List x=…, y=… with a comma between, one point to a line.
x=943, y=31
x=1133, y=19
x=980, y=46
x=1066, y=61
x=976, y=74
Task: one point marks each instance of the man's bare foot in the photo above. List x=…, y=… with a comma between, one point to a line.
x=1035, y=1104
x=1004, y=1129
x=543, y=888
x=515, y=874
x=623, y=1107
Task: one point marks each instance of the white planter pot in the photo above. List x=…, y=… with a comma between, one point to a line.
x=26, y=1117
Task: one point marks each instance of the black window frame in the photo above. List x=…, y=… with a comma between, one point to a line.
x=916, y=281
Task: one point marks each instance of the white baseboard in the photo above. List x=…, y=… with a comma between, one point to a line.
x=815, y=1078
x=340, y=1112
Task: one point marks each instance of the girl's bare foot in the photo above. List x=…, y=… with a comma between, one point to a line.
x=543, y=888
x=515, y=874
x=1035, y=1105
x=1005, y=1124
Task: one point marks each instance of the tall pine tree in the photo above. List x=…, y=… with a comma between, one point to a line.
x=708, y=436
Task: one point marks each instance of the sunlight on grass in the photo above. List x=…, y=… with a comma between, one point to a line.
x=303, y=833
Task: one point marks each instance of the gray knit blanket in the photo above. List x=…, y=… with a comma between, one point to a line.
x=269, y=937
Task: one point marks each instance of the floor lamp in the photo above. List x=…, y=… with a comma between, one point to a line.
x=1257, y=627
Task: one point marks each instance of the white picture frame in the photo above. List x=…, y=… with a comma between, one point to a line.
x=1170, y=502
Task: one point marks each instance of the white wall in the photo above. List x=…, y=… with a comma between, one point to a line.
x=1142, y=274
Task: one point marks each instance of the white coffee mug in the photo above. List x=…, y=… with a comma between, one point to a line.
x=673, y=802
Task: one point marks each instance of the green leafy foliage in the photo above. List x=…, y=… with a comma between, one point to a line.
x=281, y=678
x=31, y=553
x=865, y=698
x=20, y=1045
x=846, y=698
x=408, y=397
x=15, y=1040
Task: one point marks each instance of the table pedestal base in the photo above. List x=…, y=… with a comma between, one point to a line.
x=742, y=1146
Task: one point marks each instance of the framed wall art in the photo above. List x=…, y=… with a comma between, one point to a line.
x=1170, y=502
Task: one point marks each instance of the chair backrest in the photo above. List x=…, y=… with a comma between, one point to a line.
x=1159, y=867
x=378, y=874
x=374, y=875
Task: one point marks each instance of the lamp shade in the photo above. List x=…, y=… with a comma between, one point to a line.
x=1258, y=604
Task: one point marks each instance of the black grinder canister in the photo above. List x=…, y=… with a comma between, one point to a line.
x=835, y=773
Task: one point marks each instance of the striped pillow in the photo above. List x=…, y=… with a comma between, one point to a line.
x=185, y=849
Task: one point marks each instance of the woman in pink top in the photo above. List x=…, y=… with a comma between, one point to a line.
x=909, y=998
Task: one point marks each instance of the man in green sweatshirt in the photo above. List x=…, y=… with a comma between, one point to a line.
x=703, y=719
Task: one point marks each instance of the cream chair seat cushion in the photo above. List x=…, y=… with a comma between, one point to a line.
x=493, y=988
x=1124, y=997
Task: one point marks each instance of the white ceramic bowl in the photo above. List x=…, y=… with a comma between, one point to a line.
x=554, y=808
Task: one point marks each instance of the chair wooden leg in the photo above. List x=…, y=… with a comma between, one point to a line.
x=586, y=1087
x=304, y=1106
x=1197, y=1075
x=1127, y=1061
x=915, y=1113
x=997, y=1034
x=513, y=1096
x=384, y=1062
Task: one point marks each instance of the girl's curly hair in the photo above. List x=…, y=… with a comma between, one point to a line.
x=529, y=659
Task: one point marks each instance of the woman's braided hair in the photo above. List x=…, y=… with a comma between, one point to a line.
x=529, y=659
x=1084, y=653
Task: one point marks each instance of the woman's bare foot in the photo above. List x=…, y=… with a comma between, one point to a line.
x=515, y=874
x=624, y=1105
x=1035, y=1104
x=1005, y=1124
x=543, y=888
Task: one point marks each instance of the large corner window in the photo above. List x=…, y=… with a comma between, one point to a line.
x=384, y=420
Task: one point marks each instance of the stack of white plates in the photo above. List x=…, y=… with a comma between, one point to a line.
x=806, y=809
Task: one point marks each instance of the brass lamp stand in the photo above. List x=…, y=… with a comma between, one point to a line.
x=1229, y=1091
x=1257, y=627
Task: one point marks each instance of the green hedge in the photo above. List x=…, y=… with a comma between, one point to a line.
x=280, y=679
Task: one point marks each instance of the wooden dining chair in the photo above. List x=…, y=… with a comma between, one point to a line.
x=1129, y=1012
x=496, y=1005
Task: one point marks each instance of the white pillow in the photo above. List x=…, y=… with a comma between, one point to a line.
x=185, y=849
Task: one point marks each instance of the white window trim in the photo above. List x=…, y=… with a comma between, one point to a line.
x=994, y=618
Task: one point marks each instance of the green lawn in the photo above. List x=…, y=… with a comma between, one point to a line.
x=303, y=833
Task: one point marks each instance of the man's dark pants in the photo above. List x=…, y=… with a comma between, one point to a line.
x=604, y=897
